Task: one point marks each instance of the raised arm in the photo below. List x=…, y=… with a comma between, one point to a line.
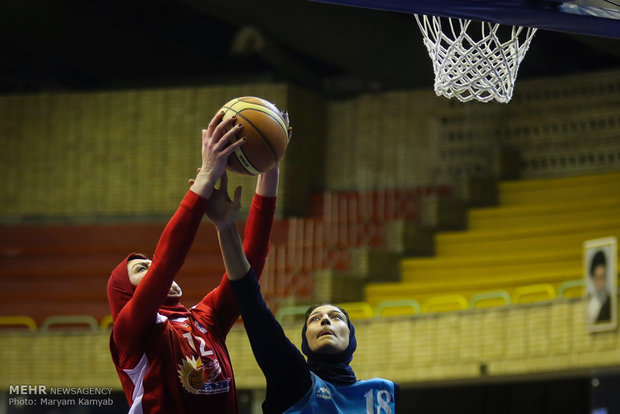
x=288, y=377
x=260, y=220
x=223, y=213
x=139, y=314
x=219, y=303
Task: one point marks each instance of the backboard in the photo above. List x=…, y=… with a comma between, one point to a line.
x=588, y=17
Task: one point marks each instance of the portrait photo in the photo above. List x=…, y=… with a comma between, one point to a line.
x=600, y=274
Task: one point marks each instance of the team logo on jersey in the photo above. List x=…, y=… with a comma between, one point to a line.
x=200, y=327
x=324, y=393
x=200, y=379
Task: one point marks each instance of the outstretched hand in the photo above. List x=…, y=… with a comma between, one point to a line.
x=221, y=210
x=287, y=121
x=215, y=150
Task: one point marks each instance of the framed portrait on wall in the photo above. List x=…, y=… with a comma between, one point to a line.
x=601, y=282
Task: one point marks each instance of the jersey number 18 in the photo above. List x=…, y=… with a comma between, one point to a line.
x=382, y=403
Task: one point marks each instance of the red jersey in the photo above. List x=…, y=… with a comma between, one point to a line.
x=171, y=359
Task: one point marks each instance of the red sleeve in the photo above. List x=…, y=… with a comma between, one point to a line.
x=221, y=300
x=258, y=232
x=139, y=314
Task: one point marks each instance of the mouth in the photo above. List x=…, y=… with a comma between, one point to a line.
x=326, y=333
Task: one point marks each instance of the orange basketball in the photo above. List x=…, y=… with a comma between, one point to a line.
x=265, y=131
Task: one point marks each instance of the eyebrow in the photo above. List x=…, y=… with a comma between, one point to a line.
x=331, y=312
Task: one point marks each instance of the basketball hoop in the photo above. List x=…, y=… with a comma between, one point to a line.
x=467, y=68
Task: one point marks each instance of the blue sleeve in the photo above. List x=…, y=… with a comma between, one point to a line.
x=286, y=372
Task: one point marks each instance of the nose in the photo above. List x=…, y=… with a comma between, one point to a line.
x=325, y=320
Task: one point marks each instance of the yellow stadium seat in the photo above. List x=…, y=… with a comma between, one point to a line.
x=358, y=310
x=572, y=288
x=398, y=307
x=70, y=321
x=533, y=293
x=490, y=299
x=16, y=321
x=106, y=322
x=445, y=303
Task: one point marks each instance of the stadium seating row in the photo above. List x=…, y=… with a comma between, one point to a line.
x=534, y=237
x=61, y=269
x=452, y=302
x=356, y=310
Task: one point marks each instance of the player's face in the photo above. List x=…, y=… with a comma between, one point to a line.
x=137, y=268
x=327, y=330
x=599, y=276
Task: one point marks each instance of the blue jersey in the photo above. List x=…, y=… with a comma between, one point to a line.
x=292, y=388
x=373, y=396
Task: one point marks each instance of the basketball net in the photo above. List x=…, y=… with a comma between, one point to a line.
x=467, y=68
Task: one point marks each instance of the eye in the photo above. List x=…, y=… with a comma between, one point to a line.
x=141, y=268
x=337, y=316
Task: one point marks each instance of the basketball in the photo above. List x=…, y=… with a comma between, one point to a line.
x=266, y=133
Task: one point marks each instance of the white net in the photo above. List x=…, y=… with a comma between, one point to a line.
x=474, y=65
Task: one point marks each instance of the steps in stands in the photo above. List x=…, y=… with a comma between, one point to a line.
x=534, y=236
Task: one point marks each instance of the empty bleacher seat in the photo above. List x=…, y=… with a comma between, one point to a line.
x=529, y=247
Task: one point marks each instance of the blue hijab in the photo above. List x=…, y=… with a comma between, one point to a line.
x=333, y=368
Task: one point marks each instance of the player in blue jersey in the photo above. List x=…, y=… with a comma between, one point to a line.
x=325, y=383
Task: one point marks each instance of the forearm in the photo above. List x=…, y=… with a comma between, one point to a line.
x=203, y=185
x=267, y=183
x=235, y=260
x=280, y=361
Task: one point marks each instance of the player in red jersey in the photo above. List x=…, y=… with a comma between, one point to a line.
x=171, y=359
